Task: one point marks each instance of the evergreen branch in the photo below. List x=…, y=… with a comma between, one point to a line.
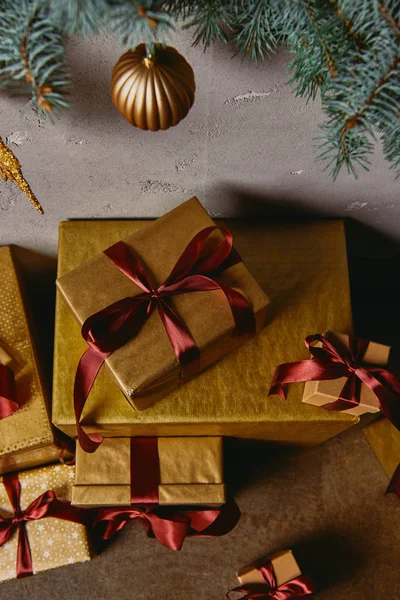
x=32, y=58
x=389, y=18
x=210, y=20
x=142, y=21
x=352, y=121
x=253, y=28
x=82, y=17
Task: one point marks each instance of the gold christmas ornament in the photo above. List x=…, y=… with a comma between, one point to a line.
x=153, y=91
x=10, y=168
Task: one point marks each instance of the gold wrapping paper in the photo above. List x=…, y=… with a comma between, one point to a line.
x=285, y=569
x=26, y=437
x=146, y=368
x=384, y=439
x=191, y=473
x=319, y=393
x=301, y=266
x=54, y=542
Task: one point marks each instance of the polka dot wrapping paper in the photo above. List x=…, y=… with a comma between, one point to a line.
x=54, y=542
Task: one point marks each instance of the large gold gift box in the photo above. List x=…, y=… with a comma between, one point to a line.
x=53, y=542
x=26, y=437
x=146, y=367
x=285, y=569
x=319, y=393
x=384, y=439
x=191, y=473
x=303, y=269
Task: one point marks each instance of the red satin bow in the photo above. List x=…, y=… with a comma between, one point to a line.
x=300, y=586
x=333, y=362
x=115, y=325
x=394, y=485
x=46, y=505
x=167, y=525
x=8, y=392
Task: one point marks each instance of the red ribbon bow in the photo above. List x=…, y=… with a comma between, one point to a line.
x=394, y=485
x=115, y=325
x=335, y=361
x=300, y=586
x=167, y=525
x=8, y=392
x=46, y=505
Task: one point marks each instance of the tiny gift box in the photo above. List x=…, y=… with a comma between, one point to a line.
x=384, y=439
x=151, y=352
x=278, y=576
x=45, y=541
x=165, y=471
x=27, y=438
x=285, y=569
x=319, y=393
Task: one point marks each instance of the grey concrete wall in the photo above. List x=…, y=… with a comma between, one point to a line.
x=244, y=149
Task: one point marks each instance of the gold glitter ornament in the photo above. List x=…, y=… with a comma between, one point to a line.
x=153, y=91
x=10, y=169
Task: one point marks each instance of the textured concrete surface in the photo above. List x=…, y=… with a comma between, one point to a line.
x=245, y=149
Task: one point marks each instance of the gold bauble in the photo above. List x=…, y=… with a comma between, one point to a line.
x=153, y=91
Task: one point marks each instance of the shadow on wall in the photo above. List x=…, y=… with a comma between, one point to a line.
x=374, y=259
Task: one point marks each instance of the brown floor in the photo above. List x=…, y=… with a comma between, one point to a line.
x=326, y=503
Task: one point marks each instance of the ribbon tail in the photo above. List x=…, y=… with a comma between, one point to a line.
x=300, y=586
x=214, y=523
x=87, y=371
x=301, y=371
x=24, y=554
x=394, y=485
x=170, y=532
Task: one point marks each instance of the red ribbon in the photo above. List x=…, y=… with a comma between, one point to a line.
x=115, y=325
x=394, y=485
x=145, y=470
x=167, y=525
x=335, y=361
x=46, y=505
x=8, y=392
x=300, y=586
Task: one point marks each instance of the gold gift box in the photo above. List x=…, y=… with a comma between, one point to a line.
x=26, y=437
x=285, y=569
x=384, y=439
x=146, y=367
x=191, y=473
x=53, y=542
x=319, y=393
x=301, y=266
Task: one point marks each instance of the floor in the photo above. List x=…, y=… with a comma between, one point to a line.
x=326, y=503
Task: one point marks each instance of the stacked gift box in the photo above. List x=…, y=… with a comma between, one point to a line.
x=168, y=337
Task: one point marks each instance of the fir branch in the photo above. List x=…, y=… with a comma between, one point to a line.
x=210, y=20
x=135, y=22
x=389, y=18
x=32, y=58
x=82, y=17
x=253, y=28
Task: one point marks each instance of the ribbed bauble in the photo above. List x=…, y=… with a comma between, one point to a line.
x=153, y=91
